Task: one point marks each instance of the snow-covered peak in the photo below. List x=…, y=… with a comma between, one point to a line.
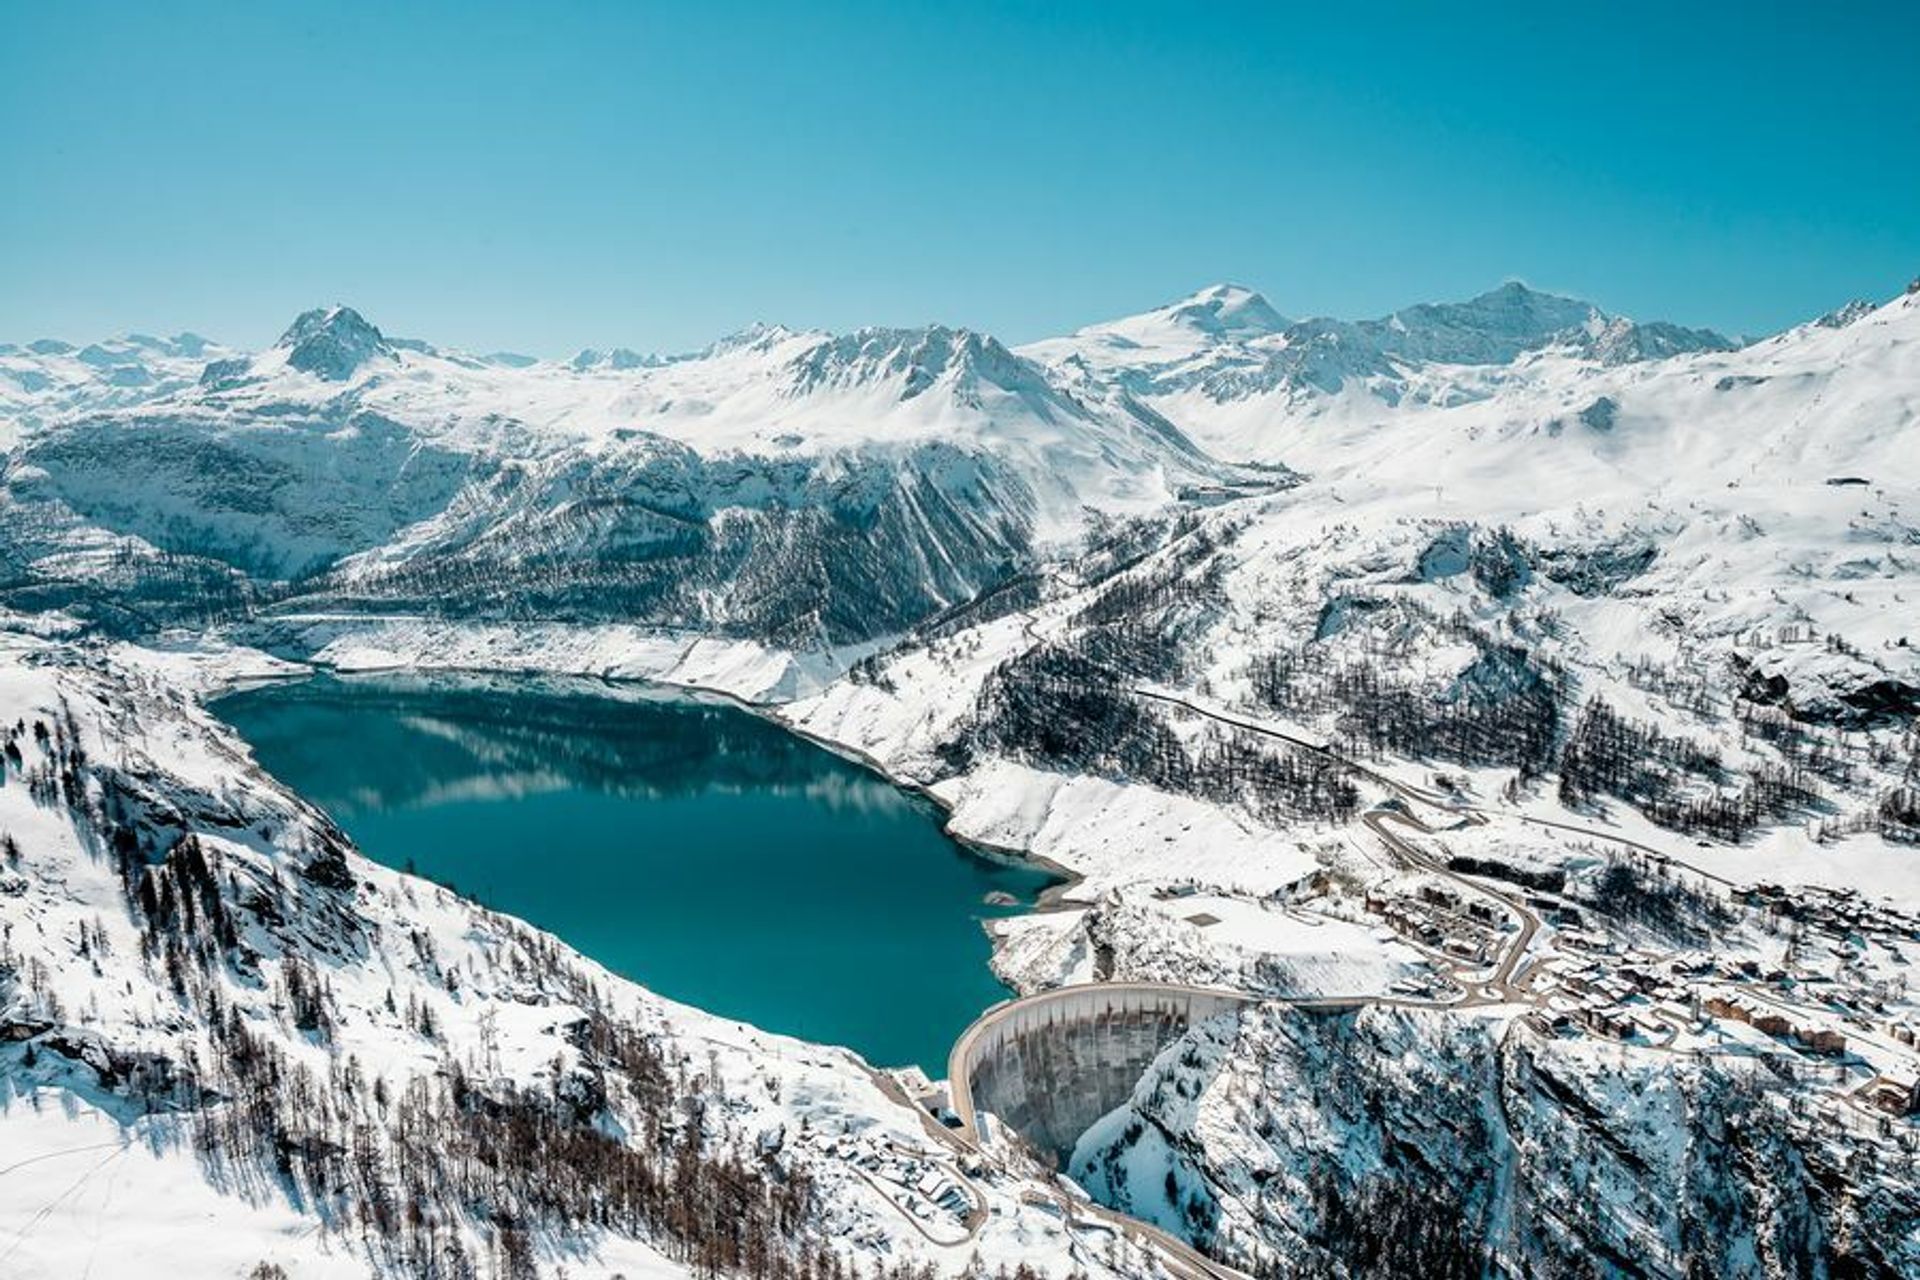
x=332, y=343
x=109, y=353
x=1491, y=328
x=756, y=337
x=1516, y=307
x=1227, y=310
x=1622, y=341
x=1502, y=324
x=1218, y=317
x=183, y=345
x=1841, y=317
x=618, y=359
x=1594, y=419
x=916, y=360
x=1226, y=369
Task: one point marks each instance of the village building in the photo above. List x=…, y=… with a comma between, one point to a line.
x=1823, y=1040
x=1895, y=1093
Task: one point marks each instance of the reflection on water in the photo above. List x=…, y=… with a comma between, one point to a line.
x=419, y=739
x=692, y=846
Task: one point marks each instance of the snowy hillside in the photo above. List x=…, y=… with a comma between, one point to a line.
x=1446, y=1146
x=1726, y=540
x=228, y=1040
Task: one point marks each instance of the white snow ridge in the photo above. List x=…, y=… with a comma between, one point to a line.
x=1479, y=745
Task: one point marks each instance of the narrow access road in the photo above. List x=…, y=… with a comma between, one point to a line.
x=1499, y=988
x=1477, y=814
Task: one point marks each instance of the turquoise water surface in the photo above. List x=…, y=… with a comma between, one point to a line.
x=690, y=846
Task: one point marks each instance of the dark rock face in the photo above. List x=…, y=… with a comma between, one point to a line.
x=329, y=869
x=1501, y=564
x=1600, y=415
x=1877, y=702
x=1766, y=689
x=1597, y=570
x=224, y=373
x=1884, y=700
x=333, y=343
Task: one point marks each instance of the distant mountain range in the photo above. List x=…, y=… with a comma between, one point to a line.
x=820, y=488
x=1229, y=341
x=1225, y=338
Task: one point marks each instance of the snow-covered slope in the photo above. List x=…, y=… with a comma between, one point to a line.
x=766, y=391
x=802, y=487
x=228, y=1041
x=1403, y=1144
x=1720, y=559
x=1224, y=366
x=46, y=379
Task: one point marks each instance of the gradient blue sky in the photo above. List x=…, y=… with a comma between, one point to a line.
x=543, y=177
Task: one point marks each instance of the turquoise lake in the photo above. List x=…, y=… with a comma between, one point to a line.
x=690, y=846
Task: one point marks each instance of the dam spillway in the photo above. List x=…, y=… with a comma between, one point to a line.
x=1049, y=1065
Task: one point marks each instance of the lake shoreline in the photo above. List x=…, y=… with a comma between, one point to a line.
x=1056, y=897
x=392, y=826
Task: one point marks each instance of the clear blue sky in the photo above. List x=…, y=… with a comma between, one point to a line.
x=547, y=176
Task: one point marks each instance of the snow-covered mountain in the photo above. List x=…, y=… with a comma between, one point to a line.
x=47, y=378
x=765, y=391
x=812, y=491
x=933, y=461
x=1228, y=363
x=1454, y=1145
x=1539, y=687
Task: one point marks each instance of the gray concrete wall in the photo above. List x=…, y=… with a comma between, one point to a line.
x=1050, y=1065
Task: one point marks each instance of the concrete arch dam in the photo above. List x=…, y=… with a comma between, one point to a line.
x=1049, y=1065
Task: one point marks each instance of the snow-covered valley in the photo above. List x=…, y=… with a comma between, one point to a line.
x=1539, y=682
